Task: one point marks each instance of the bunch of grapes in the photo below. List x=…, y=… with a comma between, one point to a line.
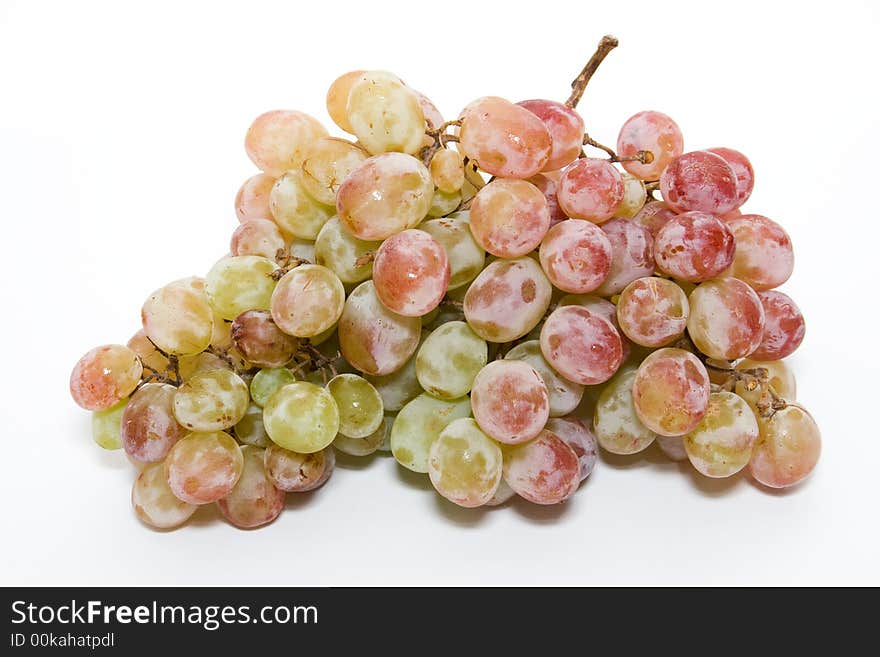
x=479, y=297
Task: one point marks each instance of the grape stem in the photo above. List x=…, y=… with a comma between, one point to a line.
x=579, y=84
x=365, y=259
x=645, y=157
x=317, y=361
x=285, y=263
x=440, y=137
x=752, y=379
x=172, y=370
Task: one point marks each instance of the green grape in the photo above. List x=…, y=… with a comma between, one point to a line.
x=444, y=203
x=301, y=417
x=449, y=359
x=359, y=403
x=361, y=446
x=294, y=209
x=267, y=381
x=107, y=426
x=417, y=426
x=339, y=251
x=211, y=401
x=239, y=283
x=401, y=386
x=250, y=429
x=465, y=464
x=466, y=257
x=616, y=424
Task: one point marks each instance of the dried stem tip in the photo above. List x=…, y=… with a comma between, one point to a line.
x=606, y=45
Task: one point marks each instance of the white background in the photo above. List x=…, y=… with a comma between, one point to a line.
x=121, y=128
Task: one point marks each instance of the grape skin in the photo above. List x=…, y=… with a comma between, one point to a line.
x=545, y=470
x=764, y=257
x=466, y=257
x=411, y=273
x=464, y=464
x=576, y=256
x=178, y=318
x=417, y=426
x=148, y=427
x=699, y=181
x=510, y=401
x=563, y=395
x=742, y=169
x=260, y=341
x=503, y=494
x=574, y=433
x=189, y=366
x=566, y=128
x=721, y=444
x=447, y=170
x=788, y=448
x=328, y=163
x=361, y=446
x=509, y=217
x=337, y=99
x=582, y=346
x=301, y=417
x=632, y=255
x=653, y=132
x=249, y=430
x=307, y=301
x=277, y=141
x=672, y=447
x=547, y=186
x=590, y=189
x=203, y=467
x=267, y=381
x=211, y=401
x=385, y=114
x=259, y=237
x=694, y=247
x=615, y=421
x=726, y=319
x=105, y=376
x=653, y=216
x=670, y=391
x=339, y=251
x=107, y=426
x=294, y=209
x=443, y=204
x=239, y=283
x=784, y=327
x=449, y=360
x=254, y=500
x=153, y=501
x=252, y=199
x=298, y=473
x=401, y=385
x=360, y=406
x=652, y=311
x=634, y=196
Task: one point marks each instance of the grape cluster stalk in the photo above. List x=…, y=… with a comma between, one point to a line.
x=491, y=300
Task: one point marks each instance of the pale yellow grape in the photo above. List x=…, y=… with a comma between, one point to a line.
x=155, y=503
x=359, y=403
x=361, y=446
x=444, y=203
x=340, y=251
x=294, y=209
x=337, y=99
x=327, y=164
x=564, y=395
x=721, y=445
x=267, y=381
x=447, y=170
x=302, y=249
x=449, y=359
x=615, y=422
x=634, y=196
x=189, y=366
x=239, y=283
x=307, y=301
x=250, y=430
x=464, y=464
x=211, y=401
x=385, y=114
x=419, y=423
x=277, y=141
x=301, y=417
x=466, y=257
x=107, y=426
x=401, y=386
x=178, y=317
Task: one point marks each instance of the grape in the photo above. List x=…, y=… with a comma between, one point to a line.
x=147, y=352
x=386, y=194
x=385, y=114
x=780, y=377
x=443, y=204
x=260, y=340
x=254, y=500
x=721, y=444
x=267, y=381
x=295, y=210
x=401, y=385
x=360, y=406
x=250, y=429
x=432, y=114
x=105, y=376
x=252, y=199
x=211, y=401
x=328, y=162
x=576, y=256
x=581, y=345
x=694, y=247
x=258, y=237
x=361, y=446
x=337, y=99
x=239, y=283
x=653, y=216
x=615, y=421
x=449, y=359
x=506, y=140
x=699, y=181
x=339, y=251
x=385, y=446
x=672, y=447
x=576, y=435
x=372, y=338
x=466, y=257
x=277, y=141
x=178, y=319
x=507, y=299
x=632, y=255
x=510, y=401
x=548, y=188
x=447, y=170
x=634, y=196
x=788, y=448
x=203, y=467
x=652, y=311
x=726, y=320
x=564, y=395
x=155, y=503
x=590, y=189
x=149, y=429
x=297, y=473
x=107, y=426
x=419, y=423
x=502, y=494
x=566, y=128
x=302, y=249
x=742, y=169
x=464, y=464
x=655, y=133
x=764, y=257
x=411, y=273
x=545, y=470
x=671, y=391
x=307, y=301
x=784, y=327
x=302, y=417
x=189, y=366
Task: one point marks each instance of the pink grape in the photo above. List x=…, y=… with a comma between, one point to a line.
x=277, y=141
x=411, y=273
x=566, y=128
x=576, y=256
x=655, y=133
x=764, y=257
x=337, y=99
x=252, y=199
x=632, y=255
x=307, y=301
x=545, y=470
x=203, y=467
x=578, y=436
x=784, y=327
x=726, y=319
x=548, y=188
x=590, y=189
x=694, y=247
x=504, y=139
x=259, y=237
x=105, y=376
x=509, y=217
x=510, y=401
x=653, y=216
x=297, y=473
x=260, y=341
x=149, y=428
x=254, y=500
x=788, y=448
x=154, y=503
x=742, y=169
x=507, y=299
x=699, y=181
x=601, y=307
x=581, y=345
x=653, y=311
x=671, y=392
